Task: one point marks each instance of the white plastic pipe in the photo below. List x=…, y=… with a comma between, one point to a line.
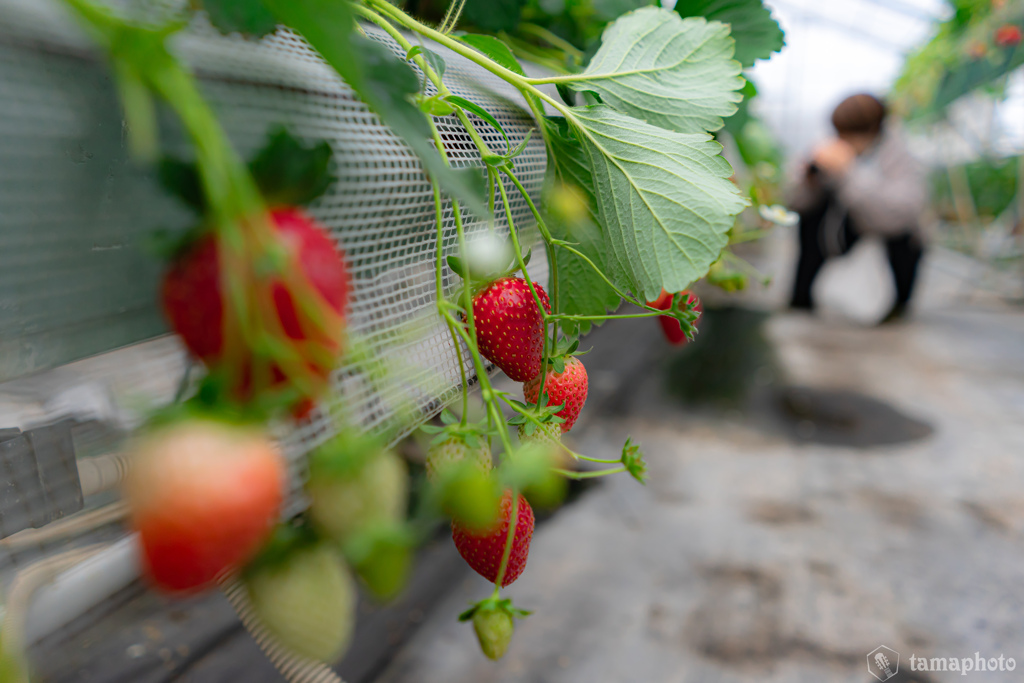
x=102, y=472
x=83, y=587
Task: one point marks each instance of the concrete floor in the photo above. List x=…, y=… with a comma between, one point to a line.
x=756, y=555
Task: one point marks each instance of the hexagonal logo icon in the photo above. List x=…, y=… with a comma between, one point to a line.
x=883, y=662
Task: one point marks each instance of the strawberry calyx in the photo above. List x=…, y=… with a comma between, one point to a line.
x=206, y=404
x=565, y=348
x=343, y=455
x=529, y=416
x=494, y=603
x=683, y=307
x=287, y=539
x=473, y=434
x=286, y=171
x=633, y=461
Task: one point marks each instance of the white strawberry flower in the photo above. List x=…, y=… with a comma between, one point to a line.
x=779, y=215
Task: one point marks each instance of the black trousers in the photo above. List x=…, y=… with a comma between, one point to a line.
x=826, y=231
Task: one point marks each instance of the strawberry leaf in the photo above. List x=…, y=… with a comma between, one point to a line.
x=567, y=94
x=435, y=106
x=248, y=17
x=435, y=60
x=674, y=73
x=590, y=294
x=751, y=24
x=468, y=614
x=493, y=48
x=289, y=173
x=181, y=179
x=664, y=199
x=482, y=114
x=558, y=364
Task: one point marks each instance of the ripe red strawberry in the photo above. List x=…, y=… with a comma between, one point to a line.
x=204, y=496
x=568, y=389
x=483, y=550
x=510, y=327
x=1008, y=35
x=194, y=304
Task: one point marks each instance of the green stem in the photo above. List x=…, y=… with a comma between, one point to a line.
x=386, y=8
x=622, y=295
x=453, y=325
x=529, y=283
x=439, y=276
x=653, y=313
x=486, y=391
x=484, y=149
x=513, y=522
x=743, y=264
x=592, y=474
x=749, y=236
x=429, y=72
x=548, y=245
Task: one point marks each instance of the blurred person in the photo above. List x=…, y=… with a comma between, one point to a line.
x=862, y=183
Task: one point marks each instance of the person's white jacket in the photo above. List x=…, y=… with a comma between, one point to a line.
x=884, y=190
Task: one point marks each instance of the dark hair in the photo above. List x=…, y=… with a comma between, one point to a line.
x=861, y=113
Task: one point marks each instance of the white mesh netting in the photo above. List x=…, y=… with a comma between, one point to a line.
x=75, y=214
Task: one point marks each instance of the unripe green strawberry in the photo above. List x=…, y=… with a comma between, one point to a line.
x=306, y=600
x=550, y=491
x=470, y=496
x=494, y=629
x=382, y=557
x=346, y=498
x=546, y=432
x=442, y=455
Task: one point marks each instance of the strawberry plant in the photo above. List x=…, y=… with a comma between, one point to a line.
x=639, y=202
